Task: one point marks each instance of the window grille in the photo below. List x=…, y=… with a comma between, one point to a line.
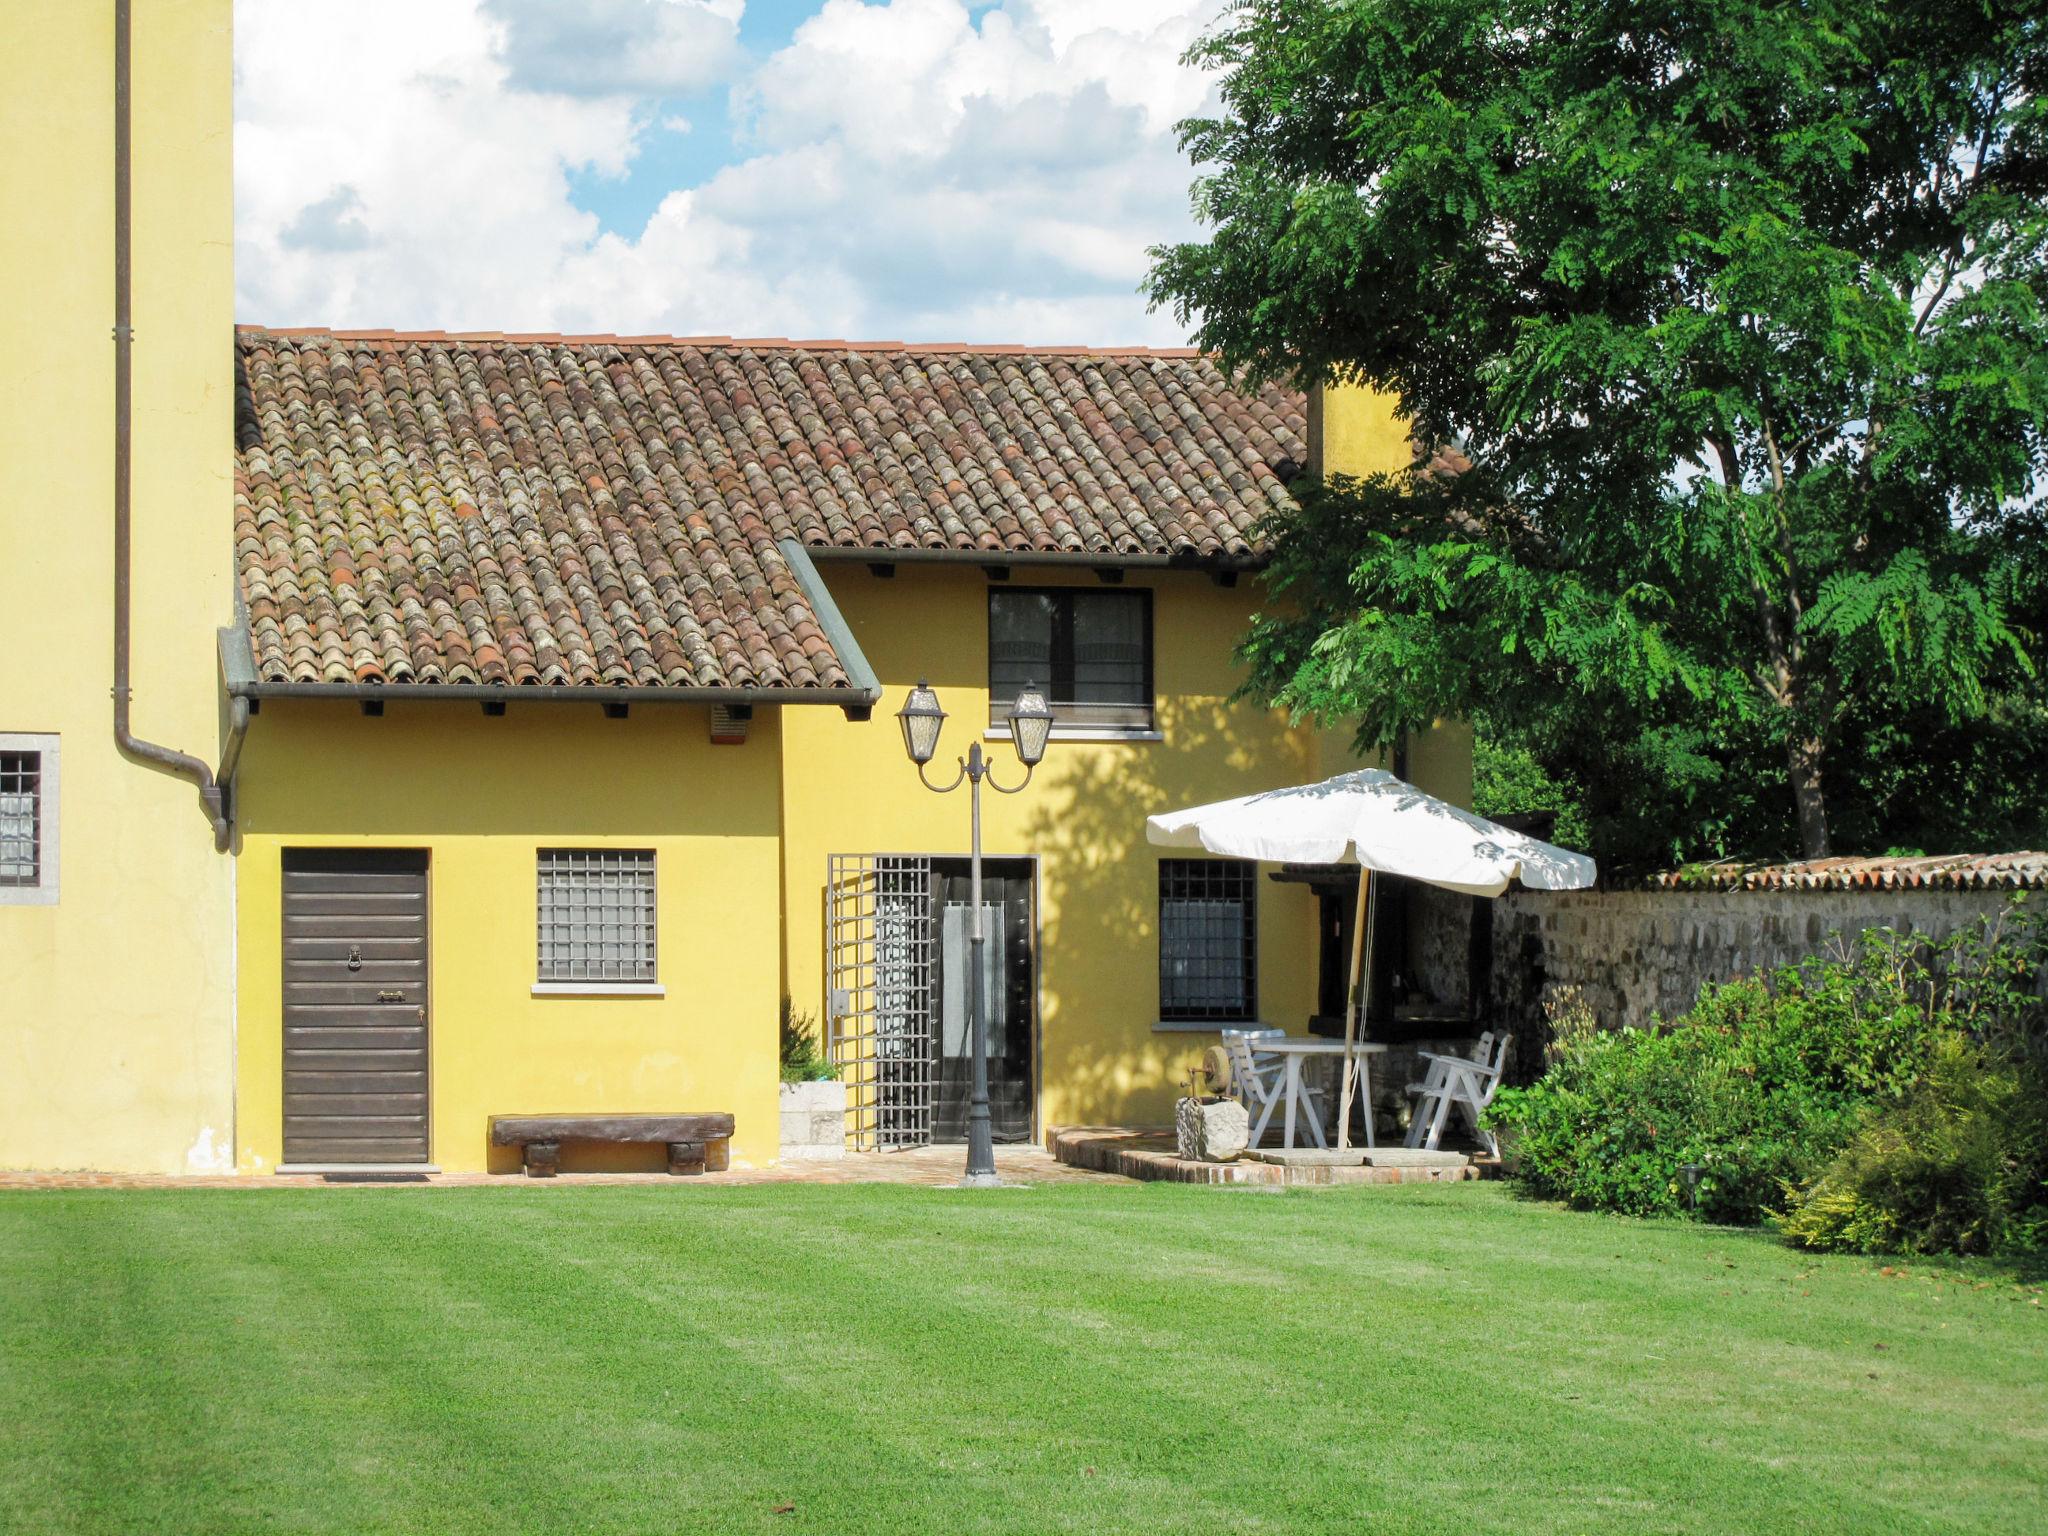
x=879, y=1013
x=1208, y=939
x=21, y=818
x=597, y=915
x=1090, y=651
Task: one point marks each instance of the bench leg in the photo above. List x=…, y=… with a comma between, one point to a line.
x=542, y=1158
x=717, y=1154
x=686, y=1157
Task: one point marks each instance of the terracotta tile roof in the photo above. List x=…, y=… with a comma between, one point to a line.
x=1956, y=871
x=428, y=508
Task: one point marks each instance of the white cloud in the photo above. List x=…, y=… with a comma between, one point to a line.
x=617, y=47
x=905, y=170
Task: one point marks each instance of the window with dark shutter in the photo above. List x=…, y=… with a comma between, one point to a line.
x=1208, y=940
x=1091, y=651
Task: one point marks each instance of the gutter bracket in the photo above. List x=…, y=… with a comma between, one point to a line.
x=237, y=668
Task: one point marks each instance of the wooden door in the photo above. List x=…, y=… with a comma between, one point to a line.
x=355, y=1006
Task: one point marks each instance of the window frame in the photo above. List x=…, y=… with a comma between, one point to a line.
x=45, y=746
x=1243, y=874
x=1064, y=728
x=545, y=985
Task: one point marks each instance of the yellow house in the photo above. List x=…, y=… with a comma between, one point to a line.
x=553, y=682
x=116, y=911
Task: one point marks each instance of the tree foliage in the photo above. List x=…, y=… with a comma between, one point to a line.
x=1739, y=311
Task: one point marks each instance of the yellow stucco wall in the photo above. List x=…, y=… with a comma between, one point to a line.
x=1352, y=430
x=848, y=788
x=116, y=1003
x=482, y=796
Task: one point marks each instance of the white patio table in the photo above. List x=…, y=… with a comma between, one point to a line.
x=1297, y=1049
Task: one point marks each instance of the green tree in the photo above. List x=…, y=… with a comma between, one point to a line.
x=1737, y=309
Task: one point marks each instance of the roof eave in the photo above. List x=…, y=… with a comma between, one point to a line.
x=559, y=693
x=890, y=554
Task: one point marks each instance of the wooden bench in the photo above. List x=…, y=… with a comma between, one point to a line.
x=695, y=1142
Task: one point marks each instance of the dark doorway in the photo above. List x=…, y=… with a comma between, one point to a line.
x=355, y=1006
x=1010, y=1000
x=1336, y=912
x=1336, y=918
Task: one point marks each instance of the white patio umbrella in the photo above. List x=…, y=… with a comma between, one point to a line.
x=1372, y=819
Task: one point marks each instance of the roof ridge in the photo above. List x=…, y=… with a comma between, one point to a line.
x=750, y=343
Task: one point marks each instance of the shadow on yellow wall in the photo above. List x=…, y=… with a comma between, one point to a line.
x=1112, y=1062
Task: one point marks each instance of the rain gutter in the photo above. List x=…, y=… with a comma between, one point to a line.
x=889, y=554
x=555, y=693
x=150, y=754
x=831, y=620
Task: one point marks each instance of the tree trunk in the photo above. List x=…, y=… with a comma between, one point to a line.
x=1803, y=752
x=1803, y=755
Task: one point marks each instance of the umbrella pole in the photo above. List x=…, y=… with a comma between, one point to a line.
x=1361, y=957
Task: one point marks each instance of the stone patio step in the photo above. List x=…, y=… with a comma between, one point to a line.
x=1149, y=1152
x=1355, y=1157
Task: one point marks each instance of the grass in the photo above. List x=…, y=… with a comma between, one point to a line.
x=1085, y=1358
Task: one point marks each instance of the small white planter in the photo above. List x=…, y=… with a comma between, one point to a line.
x=813, y=1122
x=1210, y=1130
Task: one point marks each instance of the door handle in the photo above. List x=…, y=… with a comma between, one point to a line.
x=390, y=995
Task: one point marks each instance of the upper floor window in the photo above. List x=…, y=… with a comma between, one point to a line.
x=1091, y=652
x=1208, y=940
x=596, y=919
x=28, y=820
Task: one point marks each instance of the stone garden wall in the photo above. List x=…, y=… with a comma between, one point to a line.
x=1638, y=954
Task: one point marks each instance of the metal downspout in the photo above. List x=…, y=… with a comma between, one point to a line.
x=148, y=753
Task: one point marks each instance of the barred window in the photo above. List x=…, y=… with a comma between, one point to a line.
x=28, y=819
x=1208, y=938
x=597, y=915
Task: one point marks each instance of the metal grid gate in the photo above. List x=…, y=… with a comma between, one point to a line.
x=879, y=1024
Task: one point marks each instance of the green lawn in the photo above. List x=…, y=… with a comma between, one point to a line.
x=1087, y=1358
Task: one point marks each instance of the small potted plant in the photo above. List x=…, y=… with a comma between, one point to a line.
x=1208, y=1127
x=813, y=1098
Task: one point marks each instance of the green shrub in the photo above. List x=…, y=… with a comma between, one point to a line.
x=1733, y=1091
x=1958, y=1165
x=802, y=1061
x=1766, y=1081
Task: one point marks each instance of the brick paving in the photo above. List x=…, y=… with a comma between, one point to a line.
x=1149, y=1153
x=930, y=1167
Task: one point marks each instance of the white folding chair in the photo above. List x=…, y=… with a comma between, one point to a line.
x=1263, y=1084
x=1432, y=1082
x=1464, y=1084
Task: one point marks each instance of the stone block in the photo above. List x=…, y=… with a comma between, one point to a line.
x=1211, y=1131
x=813, y=1122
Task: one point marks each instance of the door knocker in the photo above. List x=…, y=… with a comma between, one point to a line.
x=355, y=957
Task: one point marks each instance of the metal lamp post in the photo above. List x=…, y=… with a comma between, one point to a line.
x=1030, y=728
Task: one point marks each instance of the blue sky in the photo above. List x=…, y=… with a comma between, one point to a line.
x=672, y=156
x=914, y=169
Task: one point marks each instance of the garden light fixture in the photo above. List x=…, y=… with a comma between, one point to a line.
x=922, y=720
x=1030, y=728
